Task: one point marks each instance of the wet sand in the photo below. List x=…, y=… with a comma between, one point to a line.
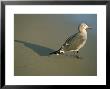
x=38, y=35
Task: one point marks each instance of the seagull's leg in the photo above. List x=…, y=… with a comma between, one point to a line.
x=77, y=54
x=74, y=53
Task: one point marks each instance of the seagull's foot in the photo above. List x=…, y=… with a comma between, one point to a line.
x=78, y=57
x=72, y=56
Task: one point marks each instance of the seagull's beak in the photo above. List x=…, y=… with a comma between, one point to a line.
x=89, y=28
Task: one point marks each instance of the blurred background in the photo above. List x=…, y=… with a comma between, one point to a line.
x=36, y=35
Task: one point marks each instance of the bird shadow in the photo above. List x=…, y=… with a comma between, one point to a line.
x=40, y=50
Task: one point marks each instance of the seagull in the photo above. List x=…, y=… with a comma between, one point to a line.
x=75, y=42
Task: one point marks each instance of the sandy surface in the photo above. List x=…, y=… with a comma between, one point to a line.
x=38, y=35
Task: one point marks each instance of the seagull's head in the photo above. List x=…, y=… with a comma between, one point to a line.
x=84, y=26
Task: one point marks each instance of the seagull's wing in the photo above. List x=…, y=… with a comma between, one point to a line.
x=68, y=41
x=74, y=42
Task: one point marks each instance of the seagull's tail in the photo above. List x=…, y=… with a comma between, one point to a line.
x=55, y=52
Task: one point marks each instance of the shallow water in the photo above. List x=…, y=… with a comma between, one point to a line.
x=38, y=35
